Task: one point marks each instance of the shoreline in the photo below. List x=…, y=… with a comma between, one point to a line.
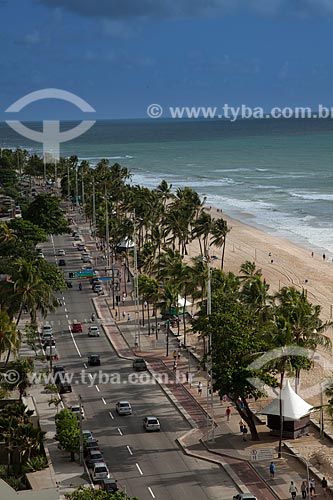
x=283, y=262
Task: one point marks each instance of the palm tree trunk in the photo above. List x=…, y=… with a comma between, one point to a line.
x=223, y=252
x=184, y=319
x=148, y=317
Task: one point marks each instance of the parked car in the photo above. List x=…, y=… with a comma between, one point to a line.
x=61, y=252
x=40, y=254
x=94, y=360
x=50, y=342
x=139, y=365
x=69, y=284
x=244, y=496
x=77, y=237
x=77, y=410
x=47, y=329
x=59, y=374
x=64, y=387
x=87, y=435
x=85, y=259
x=46, y=337
x=51, y=353
x=151, y=424
x=77, y=327
x=93, y=331
x=93, y=456
x=61, y=262
x=109, y=485
x=81, y=247
x=100, y=471
x=90, y=444
x=123, y=408
x=98, y=289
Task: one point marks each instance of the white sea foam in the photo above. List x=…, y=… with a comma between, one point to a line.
x=312, y=196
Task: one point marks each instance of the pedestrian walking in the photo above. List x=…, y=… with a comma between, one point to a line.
x=224, y=397
x=187, y=375
x=199, y=388
x=304, y=489
x=175, y=355
x=324, y=485
x=228, y=413
x=272, y=470
x=178, y=355
x=128, y=317
x=174, y=366
x=241, y=425
x=312, y=487
x=124, y=314
x=244, y=431
x=158, y=327
x=152, y=330
x=293, y=490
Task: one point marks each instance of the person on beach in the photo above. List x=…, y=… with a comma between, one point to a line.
x=272, y=470
x=324, y=486
x=293, y=490
x=228, y=413
x=199, y=388
x=324, y=256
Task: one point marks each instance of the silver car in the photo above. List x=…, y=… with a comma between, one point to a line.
x=93, y=331
x=151, y=424
x=100, y=471
x=123, y=408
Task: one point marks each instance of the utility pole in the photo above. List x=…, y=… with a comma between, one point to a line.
x=68, y=184
x=44, y=163
x=76, y=186
x=210, y=358
x=81, y=434
x=107, y=231
x=136, y=291
x=94, y=209
x=82, y=188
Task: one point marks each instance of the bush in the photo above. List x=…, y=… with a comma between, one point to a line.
x=39, y=462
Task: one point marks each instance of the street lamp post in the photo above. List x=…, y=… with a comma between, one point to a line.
x=209, y=358
x=81, y=433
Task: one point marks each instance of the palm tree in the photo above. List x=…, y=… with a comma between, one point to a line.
x=10, y=336
x=202, y=229
x=219, y=235
x=306, y=326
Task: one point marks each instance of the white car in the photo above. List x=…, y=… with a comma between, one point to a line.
x=123, y=408
x=77, y=409
x=93, y=331
x=61, y=252
x=98, y=289
x=85, y=259
x=100, y=471
x=151, y=424
x=47, y=329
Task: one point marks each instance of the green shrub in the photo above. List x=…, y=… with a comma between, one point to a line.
x=36, y=463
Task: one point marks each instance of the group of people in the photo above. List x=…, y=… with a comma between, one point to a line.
x=305, y=486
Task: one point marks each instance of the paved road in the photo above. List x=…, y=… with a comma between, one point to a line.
x=146, y=465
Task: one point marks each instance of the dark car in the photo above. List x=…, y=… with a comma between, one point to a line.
x=69, y=284
x=64, y=387
x=93, y=456
x=48, y=343
x=94, y=360
x=61, y=262
x=139, y=365
x=109, y=485
x=90, y=444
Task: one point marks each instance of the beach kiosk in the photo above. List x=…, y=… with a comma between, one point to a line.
x=295, y=411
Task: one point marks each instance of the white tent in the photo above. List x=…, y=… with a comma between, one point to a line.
x=126, y=243
x=182, y=303
x=293, y=406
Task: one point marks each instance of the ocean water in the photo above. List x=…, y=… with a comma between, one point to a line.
x=274, y=174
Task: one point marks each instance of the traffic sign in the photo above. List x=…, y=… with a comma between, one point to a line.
x=261, y=454
x=88, y=273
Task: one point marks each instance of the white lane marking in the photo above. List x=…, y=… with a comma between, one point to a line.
x=111, y=415
x=70, y=330
x=85, y=365
x=97, y=388
x=63, y=301
x=104, y=401
x=66, y=310
x=138, y=467
x=67, y=317
x=151, y=492
x=120, y=431
x=129, y=450
x=90, y=376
